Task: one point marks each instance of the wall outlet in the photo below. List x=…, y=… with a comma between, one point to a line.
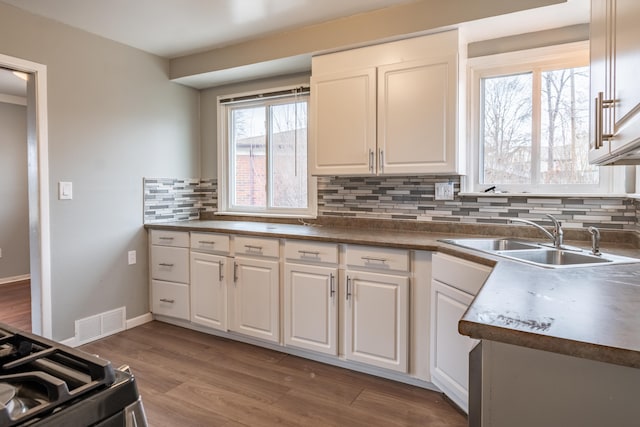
x=131, y=256
x=444, y=190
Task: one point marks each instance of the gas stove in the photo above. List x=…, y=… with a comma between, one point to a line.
x=44, y=383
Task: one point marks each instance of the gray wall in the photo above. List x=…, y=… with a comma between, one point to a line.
x=209, y=114
x=114, y=117
x=14, y=205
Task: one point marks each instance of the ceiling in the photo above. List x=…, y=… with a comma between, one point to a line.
x=174, y=28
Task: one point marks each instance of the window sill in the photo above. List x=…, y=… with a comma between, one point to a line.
x=550, y=195
x=267, y=215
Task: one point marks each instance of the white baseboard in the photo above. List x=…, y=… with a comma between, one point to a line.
x=140, y=320
x=6, y=280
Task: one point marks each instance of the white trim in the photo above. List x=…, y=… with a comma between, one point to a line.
x=42, y=132
x=12, y=99
x=139, y=321
x=5, y=280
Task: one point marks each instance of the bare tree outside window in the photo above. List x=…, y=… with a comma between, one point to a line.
x=547, y=146
x=268, y=155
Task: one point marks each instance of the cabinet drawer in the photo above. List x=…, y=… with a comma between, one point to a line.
x=459, y=273
x=378, y=258
x=257, y=246
x=210, y=242
x=317, y=252
x=170, y=238
x=168, y=263
x=170, y=299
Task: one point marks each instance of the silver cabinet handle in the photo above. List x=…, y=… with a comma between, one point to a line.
x=220, y=269
x=207, y=242
x=381, y=161
x=348, y=287
x=170, y=301
x=165, y=238
x=601, y=104
x=372, y=258
x=164, y=264
x=235, y=272
x=332, y=285
x=308, y=253
x=370, y=160
x=253, y=248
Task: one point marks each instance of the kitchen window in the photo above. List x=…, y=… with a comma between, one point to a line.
x=530, y=123
x=263, y=154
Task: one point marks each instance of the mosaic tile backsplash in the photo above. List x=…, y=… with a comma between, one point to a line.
x=402, y=198
x=169, y=199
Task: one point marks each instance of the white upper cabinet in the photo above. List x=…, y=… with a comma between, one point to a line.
x=615, y=88
x=386, y=109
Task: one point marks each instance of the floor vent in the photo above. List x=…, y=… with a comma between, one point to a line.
x=101, y=325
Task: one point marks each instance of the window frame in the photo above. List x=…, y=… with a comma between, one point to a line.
x=567, y=55
x=225, y=168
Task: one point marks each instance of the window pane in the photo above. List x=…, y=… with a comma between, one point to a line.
x=289, y=155
x=564, y=156
x=248, y=145
x=506, y=129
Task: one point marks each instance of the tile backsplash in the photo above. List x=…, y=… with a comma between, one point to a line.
x=170, y=199
x=404, y=199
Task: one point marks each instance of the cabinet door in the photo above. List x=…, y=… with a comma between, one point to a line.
x=449, y=349
x=209, y=290
x=310, y=303
x=377, y=314
x=626, y=63
x=256, y=298
x=417, y=116
x=343, y=123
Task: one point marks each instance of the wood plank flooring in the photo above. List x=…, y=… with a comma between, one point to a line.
x=187, y=378
x=15, y=304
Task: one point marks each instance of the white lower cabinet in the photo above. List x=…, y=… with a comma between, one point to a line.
x=209, y=277
x=256, y=298
x=170, y=299
x=377, y=311
x=454, y=285
x=310, y=307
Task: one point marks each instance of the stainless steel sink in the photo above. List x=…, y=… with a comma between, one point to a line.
x=538, y=254
x=556, y=257
x=492, y=245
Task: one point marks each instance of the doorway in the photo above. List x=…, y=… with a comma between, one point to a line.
x=38, y=191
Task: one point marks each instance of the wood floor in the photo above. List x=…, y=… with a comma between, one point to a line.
x=15, y=304
x=187, y=378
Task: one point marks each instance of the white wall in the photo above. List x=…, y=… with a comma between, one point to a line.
x=14, y=207
x=114, y=117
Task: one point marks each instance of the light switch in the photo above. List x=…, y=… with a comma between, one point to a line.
x=444, y=191
x=65, y=190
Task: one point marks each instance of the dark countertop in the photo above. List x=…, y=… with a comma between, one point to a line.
x=588, y=312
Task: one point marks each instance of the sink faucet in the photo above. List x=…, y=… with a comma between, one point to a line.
x=595, y=240
x=556, y=236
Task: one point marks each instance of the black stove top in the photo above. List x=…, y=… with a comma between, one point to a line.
x=44, y=383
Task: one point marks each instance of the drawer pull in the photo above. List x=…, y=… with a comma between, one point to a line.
x=207, y=242
x=304, y=253
x=170, y=301
x=348, y=287
x=372, y=259
x=164, y=264
x=165, y=238
x=220, y=270
x=253, y=248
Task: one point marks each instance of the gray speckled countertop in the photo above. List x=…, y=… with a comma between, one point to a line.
x=588, y=312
